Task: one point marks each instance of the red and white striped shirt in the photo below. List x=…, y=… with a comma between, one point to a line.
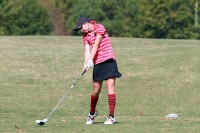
x=104, y=51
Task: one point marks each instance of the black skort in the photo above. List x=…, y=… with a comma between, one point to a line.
x=105, y=70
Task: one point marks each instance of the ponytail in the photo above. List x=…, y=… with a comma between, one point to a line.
x=92, y=22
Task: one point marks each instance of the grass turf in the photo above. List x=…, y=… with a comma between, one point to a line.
x=159, y=77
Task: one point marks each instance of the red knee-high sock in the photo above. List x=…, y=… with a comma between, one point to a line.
x=112, y=103
x=94, y=100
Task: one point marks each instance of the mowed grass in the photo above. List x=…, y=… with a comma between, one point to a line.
x=159, y=77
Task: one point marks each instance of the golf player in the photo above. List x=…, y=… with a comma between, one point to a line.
x=98, y=52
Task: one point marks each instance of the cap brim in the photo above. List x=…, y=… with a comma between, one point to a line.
x=77, y=29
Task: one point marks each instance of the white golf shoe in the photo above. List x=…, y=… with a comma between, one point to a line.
x=90, y=118
x=110, y=120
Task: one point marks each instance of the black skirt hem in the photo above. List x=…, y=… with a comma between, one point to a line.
x=105, y=70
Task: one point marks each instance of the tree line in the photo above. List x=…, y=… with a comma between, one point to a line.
x=122, y=18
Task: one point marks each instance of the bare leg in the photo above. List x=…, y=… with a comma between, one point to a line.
x=97, y=88
x=111, y=85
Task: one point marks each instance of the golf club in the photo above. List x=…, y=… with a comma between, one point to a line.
x=42, y=122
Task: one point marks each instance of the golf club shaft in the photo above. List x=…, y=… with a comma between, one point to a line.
x=65, y=94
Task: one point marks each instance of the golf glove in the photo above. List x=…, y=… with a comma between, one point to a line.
x=89, y=63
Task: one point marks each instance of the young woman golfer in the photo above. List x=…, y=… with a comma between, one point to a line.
x=99, y=52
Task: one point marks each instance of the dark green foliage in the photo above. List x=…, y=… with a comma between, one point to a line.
x=25, y=17
x=168, y=19
x=5, y=9
x=122, y=18
x=132, y=18
x=116, y=16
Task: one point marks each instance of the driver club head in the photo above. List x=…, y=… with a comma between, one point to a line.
x=41, y=122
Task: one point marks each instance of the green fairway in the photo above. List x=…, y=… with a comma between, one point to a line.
x=159, y=77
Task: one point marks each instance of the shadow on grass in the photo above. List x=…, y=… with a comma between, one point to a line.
x=103, y=123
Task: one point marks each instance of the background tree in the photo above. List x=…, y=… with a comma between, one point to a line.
x=122, y=18
x=167, y=19
x=118, y=17
x=5, y=10
x=27, y=17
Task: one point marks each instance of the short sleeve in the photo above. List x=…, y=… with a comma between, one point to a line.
x=100, y=29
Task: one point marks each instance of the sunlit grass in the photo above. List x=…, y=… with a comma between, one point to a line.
x=159, y=77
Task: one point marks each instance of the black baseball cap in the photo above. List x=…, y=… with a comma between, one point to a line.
x=80, y=22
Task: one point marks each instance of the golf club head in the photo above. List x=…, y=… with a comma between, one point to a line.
x=41, y=122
